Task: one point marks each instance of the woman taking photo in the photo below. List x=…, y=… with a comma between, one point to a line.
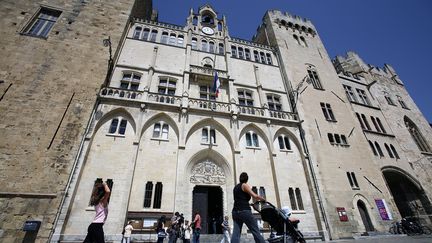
x=99, y=200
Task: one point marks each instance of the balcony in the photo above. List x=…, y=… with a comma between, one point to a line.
x=207, y=71
x=195, y=104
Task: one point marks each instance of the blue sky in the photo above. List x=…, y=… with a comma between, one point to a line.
x=396, y=32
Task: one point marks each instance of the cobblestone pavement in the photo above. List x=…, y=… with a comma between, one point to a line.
x=393, y=239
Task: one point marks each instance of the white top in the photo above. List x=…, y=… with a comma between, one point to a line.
x=128, y=230
x=187, y=232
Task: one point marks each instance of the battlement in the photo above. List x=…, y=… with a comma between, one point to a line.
x=294, y=22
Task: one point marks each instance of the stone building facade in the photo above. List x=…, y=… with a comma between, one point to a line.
x=53, y=64
x=339, y=141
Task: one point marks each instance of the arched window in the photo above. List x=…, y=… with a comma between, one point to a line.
x=164, y=38
x=360, y=120
x=148, y=194
x=172, y=39
x=256, y=56
x=146, y=33
x=365, y=122
x=158, y=195
x=221, y=49
x=284, y=143
x=314, y=78
x=208, y=135
x=375, y=124
x=240, y=53
x=194, y=43
x=297, y=39
x=153, y=35
x=180, y=40
x=262, y=56
x=269, y=59
x=378, y=148
x=303, y=41
x=219, y=26
x=160, y=130
x=115, y=128
x=234, y=51
x=373, y=148
x=195, y=20
x=330, y=138
x=211, y=47
x=380, y=125
x=247, y=54
x=204, y=45
x=388, y=150
x=417, y=136
x=137, y=32
x=394, y=151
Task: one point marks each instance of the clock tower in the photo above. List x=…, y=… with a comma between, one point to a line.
x=206, y=22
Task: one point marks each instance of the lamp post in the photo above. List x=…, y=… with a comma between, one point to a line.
x=107, y=43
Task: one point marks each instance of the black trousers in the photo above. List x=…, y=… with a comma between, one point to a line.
x=95, y=233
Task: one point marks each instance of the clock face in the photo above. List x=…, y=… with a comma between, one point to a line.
x=207, y=30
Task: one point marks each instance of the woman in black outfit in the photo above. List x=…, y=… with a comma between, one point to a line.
x=160, y=229
x=242, y=213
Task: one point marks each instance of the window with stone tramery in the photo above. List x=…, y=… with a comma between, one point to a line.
x=42, y=24
x=252, y=139
x=363, y=97
x=350, y=93
x=205, y=138
x=115, y=128
x=167, y=86
x=148, y=194
x=274, y=103
x=284, y=143
x=327, y=111
x=130, y=81
x=314, y=78
x=160, y=130
x=245, y=98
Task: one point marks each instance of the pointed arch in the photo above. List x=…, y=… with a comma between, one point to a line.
x=293, y=138
x=158, y=117
x=115, y=112
x=211, y=122
x=212, y=155
x=394, y=169
x=259, y=131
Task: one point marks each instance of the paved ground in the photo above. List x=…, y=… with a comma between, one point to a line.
x=391, y=239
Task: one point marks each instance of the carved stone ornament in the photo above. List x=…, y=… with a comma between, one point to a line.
x=207, y=172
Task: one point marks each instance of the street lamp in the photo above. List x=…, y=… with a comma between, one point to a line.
x=107, y=43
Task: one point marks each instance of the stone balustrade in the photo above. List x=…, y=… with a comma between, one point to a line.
x=208, y=71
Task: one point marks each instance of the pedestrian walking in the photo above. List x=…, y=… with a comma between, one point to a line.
x=225, y=231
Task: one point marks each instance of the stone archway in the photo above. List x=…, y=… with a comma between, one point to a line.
x=364, y=214
x=409, y=197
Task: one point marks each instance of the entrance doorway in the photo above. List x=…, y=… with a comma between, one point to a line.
x=207, y=200
x=365, y=216
x=410, y=200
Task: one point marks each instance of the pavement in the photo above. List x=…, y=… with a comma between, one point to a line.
x=388, y=239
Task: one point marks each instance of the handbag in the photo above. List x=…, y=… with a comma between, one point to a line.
x=162, y=234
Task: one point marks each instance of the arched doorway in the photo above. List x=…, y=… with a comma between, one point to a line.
x=207, y=200
x=365, y=216
x=410, y=199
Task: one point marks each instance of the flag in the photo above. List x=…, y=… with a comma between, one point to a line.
x=216, y=84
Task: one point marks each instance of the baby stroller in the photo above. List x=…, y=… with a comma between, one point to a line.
x=286, y=231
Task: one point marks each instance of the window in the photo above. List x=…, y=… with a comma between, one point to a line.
x=211, y=47
x=262, y=56
x=402, y=103
x=205, y=138
x=252, y=139
x=373, y=148
x=378, y=148
x=330, y=138
x=314, y=79
x=153, y=35
x=352, y=180
x=240, y=53
x=158, y=195
x=360, y=121
x=394, y=151
x=327, y=111
x=194, y=43
x=164, y=38
x=172, y=39
x=255, y=190
x=350, y=94
x=221, y=49
x=130, y=81
x=303, y=41
x=115, y=128
x=389, y=100
x=247, y=54
x=256, y=56
x=297, y=39
x=180, y=40
x=262, y=192
x=284, y=143
x=380, y=125
x=146, y=33
x=337, y=139
x=274, y=103
x=157, y=133
x=366, y=123
x=204, y=45
x=269, y=58
x=234, y=51
x=206, y=93
x=245, y=98
x=148, y=194
x=388, y=150
x=417, y=136
x=137, y=32
x=43, y=22
x=363, y=97
x=295, y=198
x=375, y=124
x=167, y=86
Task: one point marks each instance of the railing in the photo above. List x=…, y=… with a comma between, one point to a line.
x=208, y=71
x=209, y=105
x=251, y=110
x=121, y=93
x=163, y=98
x=283, y=115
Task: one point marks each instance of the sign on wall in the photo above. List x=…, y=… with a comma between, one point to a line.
x=342, y=214
x=383, y=209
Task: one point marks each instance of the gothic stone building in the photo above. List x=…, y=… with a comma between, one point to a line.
x=339, y=141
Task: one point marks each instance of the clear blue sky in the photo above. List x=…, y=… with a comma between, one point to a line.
x=396, y=32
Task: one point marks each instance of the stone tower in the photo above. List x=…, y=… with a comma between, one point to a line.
x=53, y=63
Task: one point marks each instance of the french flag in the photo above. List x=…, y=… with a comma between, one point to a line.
x=216, y=84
